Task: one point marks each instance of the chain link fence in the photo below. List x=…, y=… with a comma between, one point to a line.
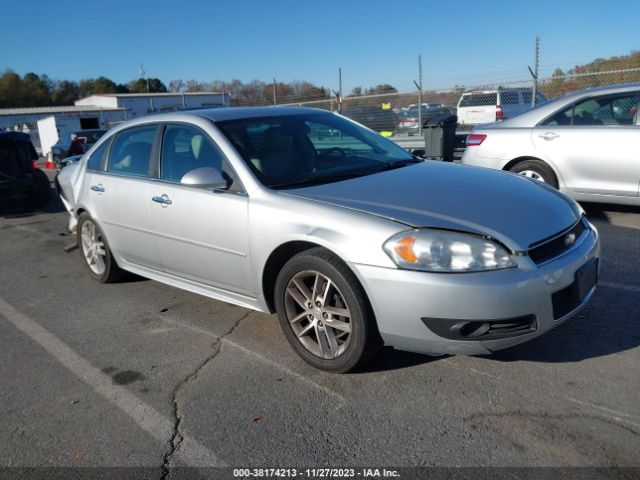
x=397, y=115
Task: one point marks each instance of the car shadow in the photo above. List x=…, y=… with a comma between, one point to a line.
x=598, y=211
x=600, y=331
x=24, y=208
x=391, y=359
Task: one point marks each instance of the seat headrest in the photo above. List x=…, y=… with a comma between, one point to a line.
x=276, y=141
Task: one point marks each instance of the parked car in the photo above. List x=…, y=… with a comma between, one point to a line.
x=585, y=144
x=87, y=138
x=373, y=117
x=22, y=185
x=486, y=106
x=409, y=121
x=352, y=243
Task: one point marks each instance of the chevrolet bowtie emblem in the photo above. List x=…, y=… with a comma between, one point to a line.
x=569, y=239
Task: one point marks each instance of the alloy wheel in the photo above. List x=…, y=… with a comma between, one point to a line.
x=93, y=247
x=318, y=314
x=532, y=174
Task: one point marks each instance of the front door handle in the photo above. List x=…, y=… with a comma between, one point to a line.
x=97, y=188
x=163, y=199
x=549, y=135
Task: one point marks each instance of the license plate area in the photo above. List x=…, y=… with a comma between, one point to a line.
x=568, y=299
x=586, y=278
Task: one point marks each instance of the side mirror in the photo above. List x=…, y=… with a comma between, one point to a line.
x=206, y=177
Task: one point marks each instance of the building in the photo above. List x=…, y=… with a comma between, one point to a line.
x=100, y=111
x=138, y=104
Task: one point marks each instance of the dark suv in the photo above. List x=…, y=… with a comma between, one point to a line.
x=22, y=185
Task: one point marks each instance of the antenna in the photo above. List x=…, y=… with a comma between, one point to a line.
x=142, y=73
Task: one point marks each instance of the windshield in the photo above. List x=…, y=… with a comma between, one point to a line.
x=310, y=148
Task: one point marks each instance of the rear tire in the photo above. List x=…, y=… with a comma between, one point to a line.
x=96, y=254
x=536, y=169
x=324, y=312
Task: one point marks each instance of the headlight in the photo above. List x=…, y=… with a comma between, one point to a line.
x=445, y=251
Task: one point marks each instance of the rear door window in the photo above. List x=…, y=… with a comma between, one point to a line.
x=479, y=100
x=131, y=150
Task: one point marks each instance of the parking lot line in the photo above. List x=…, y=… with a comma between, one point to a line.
x=145, y=416
x=262, y=359
x=620, y=286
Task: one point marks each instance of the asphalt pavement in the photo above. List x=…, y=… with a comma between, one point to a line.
x=142, y=374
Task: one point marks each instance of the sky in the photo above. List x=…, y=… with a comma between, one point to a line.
x=373, y=42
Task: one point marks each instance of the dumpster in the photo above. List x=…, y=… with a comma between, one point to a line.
x=439, y=136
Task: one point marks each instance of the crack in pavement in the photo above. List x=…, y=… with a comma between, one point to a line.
x=177, y=437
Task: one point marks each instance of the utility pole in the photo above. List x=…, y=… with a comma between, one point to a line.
x=339, y=89
x=534, y=73
x=418, y=85
x=275, y=99
x=142, y=73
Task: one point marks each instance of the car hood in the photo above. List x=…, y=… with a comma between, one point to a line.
x=510, y=208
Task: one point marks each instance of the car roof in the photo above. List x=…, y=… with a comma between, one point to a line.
x=218, y=115
x=239, y=113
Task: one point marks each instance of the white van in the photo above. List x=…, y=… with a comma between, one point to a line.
x=485, y=106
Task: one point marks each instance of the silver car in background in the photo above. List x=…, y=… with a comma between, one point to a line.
x=351, y=240
x=585, y=144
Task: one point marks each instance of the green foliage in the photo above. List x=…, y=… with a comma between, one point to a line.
x=380, y=89
x=34, y=90
x=147, y=85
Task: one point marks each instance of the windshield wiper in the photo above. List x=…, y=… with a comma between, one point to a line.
x=335, y=177
x=402, y=163
x=317, y=180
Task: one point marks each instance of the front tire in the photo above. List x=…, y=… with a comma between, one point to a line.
x=324, y=312
x=95, y=252
x=537, y=170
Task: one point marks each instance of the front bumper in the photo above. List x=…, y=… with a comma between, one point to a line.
x=403, y=299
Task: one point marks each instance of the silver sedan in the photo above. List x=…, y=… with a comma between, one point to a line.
x=351, y=240
x=585, y=144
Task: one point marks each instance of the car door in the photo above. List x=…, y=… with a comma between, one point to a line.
x=594, y=143
x=201, y=232
x=120, y=198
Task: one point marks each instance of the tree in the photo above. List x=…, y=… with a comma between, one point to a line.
x=194, y=86
x=381, y=89
x=140, y=86
x=86, y=87
x=65, y=92
x=176, y=86
x=10, y=95
x=33, y=92
x=104, y=85
x=356, y=92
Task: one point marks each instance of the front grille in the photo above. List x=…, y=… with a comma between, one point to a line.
x=564, y=301
x=548, y=249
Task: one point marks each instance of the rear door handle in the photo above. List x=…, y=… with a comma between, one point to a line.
x=163, y=199
x=549, y=135
x=97, y=188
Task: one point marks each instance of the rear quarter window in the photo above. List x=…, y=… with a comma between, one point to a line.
x=95, y=160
